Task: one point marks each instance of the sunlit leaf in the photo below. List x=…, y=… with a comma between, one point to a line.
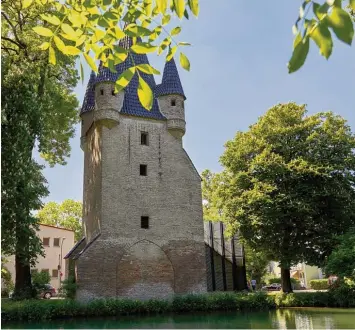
x=179, y=7
x=81, y=72
x=124, y=79
x=184, y=62
x=26, y=3
x=44, y=46
x=145, y=94
x=91, y=62
x=67, y=29
x=42, y=31
x=171, y=53
x=352, y=4
x=299, y=55
x=183, y=43
x=146, y=68
x=143, y=48
x=166, y=19
x=340, y=22
x=161, y=6
x=51, y=19
x=60, y=44
x=322, y=37
x=52, y=57
x=175, y=31
x=70, y=50
x=80, y=41
x=194, y=6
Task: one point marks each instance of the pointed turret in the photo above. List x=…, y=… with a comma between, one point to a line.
x=89, y=99
x=171, y=99
x=171, y=83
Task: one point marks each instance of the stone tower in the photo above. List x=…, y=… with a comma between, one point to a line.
x=142, y=211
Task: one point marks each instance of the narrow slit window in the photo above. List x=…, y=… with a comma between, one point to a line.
x=143, y=170
x=102, y=92
x=173, y=103
x=113, y=92
x=145, y=222
x=144, y=138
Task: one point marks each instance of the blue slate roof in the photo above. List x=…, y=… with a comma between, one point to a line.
x=171, y=83
x=89, y=99
x=131, y=104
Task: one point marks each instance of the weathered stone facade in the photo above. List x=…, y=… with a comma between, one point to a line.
x=118, y=257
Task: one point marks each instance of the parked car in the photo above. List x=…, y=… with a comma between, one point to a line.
x=272, y=287
x=47, y=293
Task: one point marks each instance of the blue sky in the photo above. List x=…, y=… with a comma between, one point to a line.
x=238, y=71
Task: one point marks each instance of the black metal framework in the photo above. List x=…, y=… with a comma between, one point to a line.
x=224, y=276
x=211, y=258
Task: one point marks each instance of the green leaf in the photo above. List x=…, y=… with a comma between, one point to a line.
x=145, y=94
x=339, y=20
x=183, y=43
x=299, y=55
x=91, y=62
x=42, y=31
x=26, y=3
x=52, y=58
x=146, y=68
x=51, y=19
x=143, y=48
x=80, y=41
x=352, y=4
x=70, y=50
x=81, y=73
x=124, y=79
x=44, y=46
x=179, y=7
x=297, y=39
x=166, y=19
x=184, y=62
x=194, y=6
x=175, y=31
x=60, y=44
x=323, y=39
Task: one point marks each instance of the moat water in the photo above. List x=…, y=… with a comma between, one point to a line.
x=305, y=318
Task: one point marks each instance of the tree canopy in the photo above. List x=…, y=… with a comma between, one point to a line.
x=67, y=214
x=288, y=185
x=341, y=261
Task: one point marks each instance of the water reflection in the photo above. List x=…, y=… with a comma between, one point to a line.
x=307, y=318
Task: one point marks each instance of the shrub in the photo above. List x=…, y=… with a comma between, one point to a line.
x=39, y=280
x=69, y=287
x=343, y=293
x=319, y=284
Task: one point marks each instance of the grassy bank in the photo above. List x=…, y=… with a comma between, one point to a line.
x=54, y=309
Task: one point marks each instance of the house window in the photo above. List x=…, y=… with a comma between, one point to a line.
x=45, y=241
x=102, y=92
x=145, y=222
x=144, y=138
x=143, y=170
x=56, y=241
x=54, y=272
x=45, y=270
x=173, y=103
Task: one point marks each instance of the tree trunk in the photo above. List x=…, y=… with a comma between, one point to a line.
x=286, y=280
x=23, y=285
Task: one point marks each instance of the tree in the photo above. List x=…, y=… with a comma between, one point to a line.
x=341, y=261
x=67, y=215
x=256, y=264
x=41, y=118
x=289, y=185
x=211, y=211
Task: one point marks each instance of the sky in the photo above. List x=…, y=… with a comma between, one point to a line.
x=239, y=55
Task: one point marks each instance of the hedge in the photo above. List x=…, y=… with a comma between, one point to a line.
x=54, y=309
x=34, y=310
x=319, y=284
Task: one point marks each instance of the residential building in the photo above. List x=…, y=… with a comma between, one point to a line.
x=302, y=272
x=57, y=242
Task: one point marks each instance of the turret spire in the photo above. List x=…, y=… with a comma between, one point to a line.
x=89, y=99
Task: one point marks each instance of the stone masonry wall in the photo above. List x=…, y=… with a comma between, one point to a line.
x=167, y=258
